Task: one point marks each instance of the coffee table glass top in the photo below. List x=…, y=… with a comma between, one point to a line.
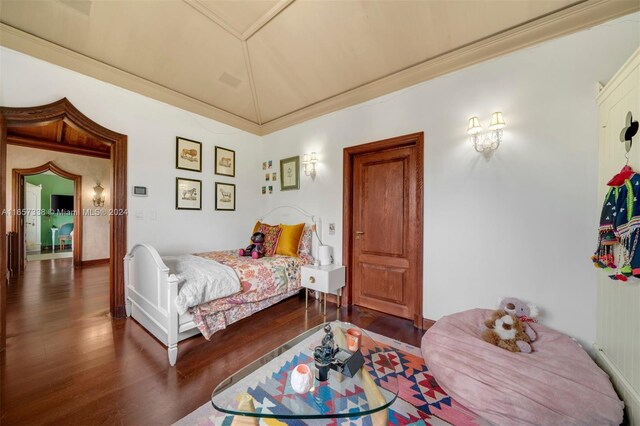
x=263, y=388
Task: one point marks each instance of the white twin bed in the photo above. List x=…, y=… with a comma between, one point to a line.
x=151, y=286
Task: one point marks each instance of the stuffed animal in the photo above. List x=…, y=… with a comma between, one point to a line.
x=525, y=313
x=506, y=331
x=256, y=250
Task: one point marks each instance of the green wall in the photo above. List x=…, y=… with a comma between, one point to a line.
x=51, y=184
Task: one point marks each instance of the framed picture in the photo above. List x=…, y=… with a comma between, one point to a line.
x=188, y=194
x=188, y=155
x=290, y=173
x=225, y=196
x=225, y=162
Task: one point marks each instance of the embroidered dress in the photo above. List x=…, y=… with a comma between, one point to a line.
x=619, y=231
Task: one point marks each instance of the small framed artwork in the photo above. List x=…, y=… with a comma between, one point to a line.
x=225, y=196
x=266, y=177
x=270, y=189
x=188, y=155
x=270, y=163
x=188, y=194
x=290, y=173
x=274, y=175
x=264, y=190
x=225, y=162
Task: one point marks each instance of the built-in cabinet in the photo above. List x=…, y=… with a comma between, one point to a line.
x=618, y=318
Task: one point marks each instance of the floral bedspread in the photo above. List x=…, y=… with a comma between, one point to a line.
x=264, y=282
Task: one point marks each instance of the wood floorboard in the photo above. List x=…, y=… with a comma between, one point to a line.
x=67, y=362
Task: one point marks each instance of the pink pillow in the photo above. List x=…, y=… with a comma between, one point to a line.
x=271, y=236
x=304, y=249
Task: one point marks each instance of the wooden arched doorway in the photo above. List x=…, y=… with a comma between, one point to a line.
x=18, y=202
x=93, y=138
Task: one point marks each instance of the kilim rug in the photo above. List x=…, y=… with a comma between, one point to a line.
x=420, y=400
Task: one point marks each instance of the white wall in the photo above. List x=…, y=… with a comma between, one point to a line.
x=520, y=224
x=151, y=127
x=95, y=229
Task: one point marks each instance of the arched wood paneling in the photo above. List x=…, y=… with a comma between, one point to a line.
x=63, y=110
x=18, y=202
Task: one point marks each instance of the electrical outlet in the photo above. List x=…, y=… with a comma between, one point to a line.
x=332, y=229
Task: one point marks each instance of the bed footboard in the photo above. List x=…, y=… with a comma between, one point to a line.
x=150, y=292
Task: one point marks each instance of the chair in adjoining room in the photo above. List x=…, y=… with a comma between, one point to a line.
x=65, y=234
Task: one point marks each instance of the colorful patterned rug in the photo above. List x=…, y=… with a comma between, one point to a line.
x=420, y=400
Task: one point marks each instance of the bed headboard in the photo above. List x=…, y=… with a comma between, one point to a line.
x=291, y=215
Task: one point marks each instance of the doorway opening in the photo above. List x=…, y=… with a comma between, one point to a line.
x=383, y=225
x=51, y=227
x=61, y=127
x=49, y=200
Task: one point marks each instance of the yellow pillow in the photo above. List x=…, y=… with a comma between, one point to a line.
x=255, y=228
x=289, y=239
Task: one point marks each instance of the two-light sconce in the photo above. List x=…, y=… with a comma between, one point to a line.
x=98, y=196
x=487, y=142
x=309, y=164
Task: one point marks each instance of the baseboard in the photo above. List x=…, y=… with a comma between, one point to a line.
x=625, y=391
x=427, y=323
x=94, y=262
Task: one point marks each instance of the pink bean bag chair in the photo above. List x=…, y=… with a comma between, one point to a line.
x=557, y=384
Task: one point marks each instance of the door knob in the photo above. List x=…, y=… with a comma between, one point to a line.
x=358, y=233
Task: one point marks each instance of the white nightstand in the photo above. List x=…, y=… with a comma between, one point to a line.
x=325, y=279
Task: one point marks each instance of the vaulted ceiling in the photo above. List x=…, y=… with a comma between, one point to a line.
x=265, y=65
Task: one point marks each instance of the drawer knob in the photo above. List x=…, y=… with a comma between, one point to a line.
x=312, y=279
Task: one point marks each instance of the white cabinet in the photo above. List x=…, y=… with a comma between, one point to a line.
x=325, y=279
x=618, y=334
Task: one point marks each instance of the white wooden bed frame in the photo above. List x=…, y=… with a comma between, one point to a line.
x=151, y=289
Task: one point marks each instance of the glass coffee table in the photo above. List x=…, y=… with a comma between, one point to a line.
x=263, y=389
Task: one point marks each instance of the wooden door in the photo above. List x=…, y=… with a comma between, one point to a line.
x=386, y=227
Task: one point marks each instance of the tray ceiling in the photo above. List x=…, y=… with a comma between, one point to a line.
x=264, y=65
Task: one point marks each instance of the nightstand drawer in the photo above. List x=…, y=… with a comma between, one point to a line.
x=327, y=279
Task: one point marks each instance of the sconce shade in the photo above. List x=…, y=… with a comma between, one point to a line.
x=474, y=126
x=305, y=159
x=497, y=122
x=314, y=158
x=98, y=197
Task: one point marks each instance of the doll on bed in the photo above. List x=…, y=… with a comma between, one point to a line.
x=256, y=249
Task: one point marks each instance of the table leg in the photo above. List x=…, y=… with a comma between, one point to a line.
x=325, y=304
x=306, y=298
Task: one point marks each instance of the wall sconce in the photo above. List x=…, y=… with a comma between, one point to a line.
x=98, y=196
x=309, y=161
x=491, y=141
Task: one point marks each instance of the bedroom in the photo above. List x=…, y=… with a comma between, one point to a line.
x=488, y=231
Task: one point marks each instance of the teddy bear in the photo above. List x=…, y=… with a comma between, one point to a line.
x=524, y=312
x=256, y=249
x=506, y=331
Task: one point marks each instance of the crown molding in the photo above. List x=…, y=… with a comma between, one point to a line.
x=569, y=20
x=23, y=42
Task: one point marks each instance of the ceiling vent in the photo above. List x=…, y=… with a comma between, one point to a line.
x=82, y=6
x=230, y=80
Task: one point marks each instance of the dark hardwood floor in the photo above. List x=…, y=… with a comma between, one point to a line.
x=67, y=362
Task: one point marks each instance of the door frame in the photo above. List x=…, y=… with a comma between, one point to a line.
x=17, y=203
x=64, y=110
x=411, y=140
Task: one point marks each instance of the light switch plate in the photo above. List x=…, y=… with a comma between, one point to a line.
x=332, y=229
